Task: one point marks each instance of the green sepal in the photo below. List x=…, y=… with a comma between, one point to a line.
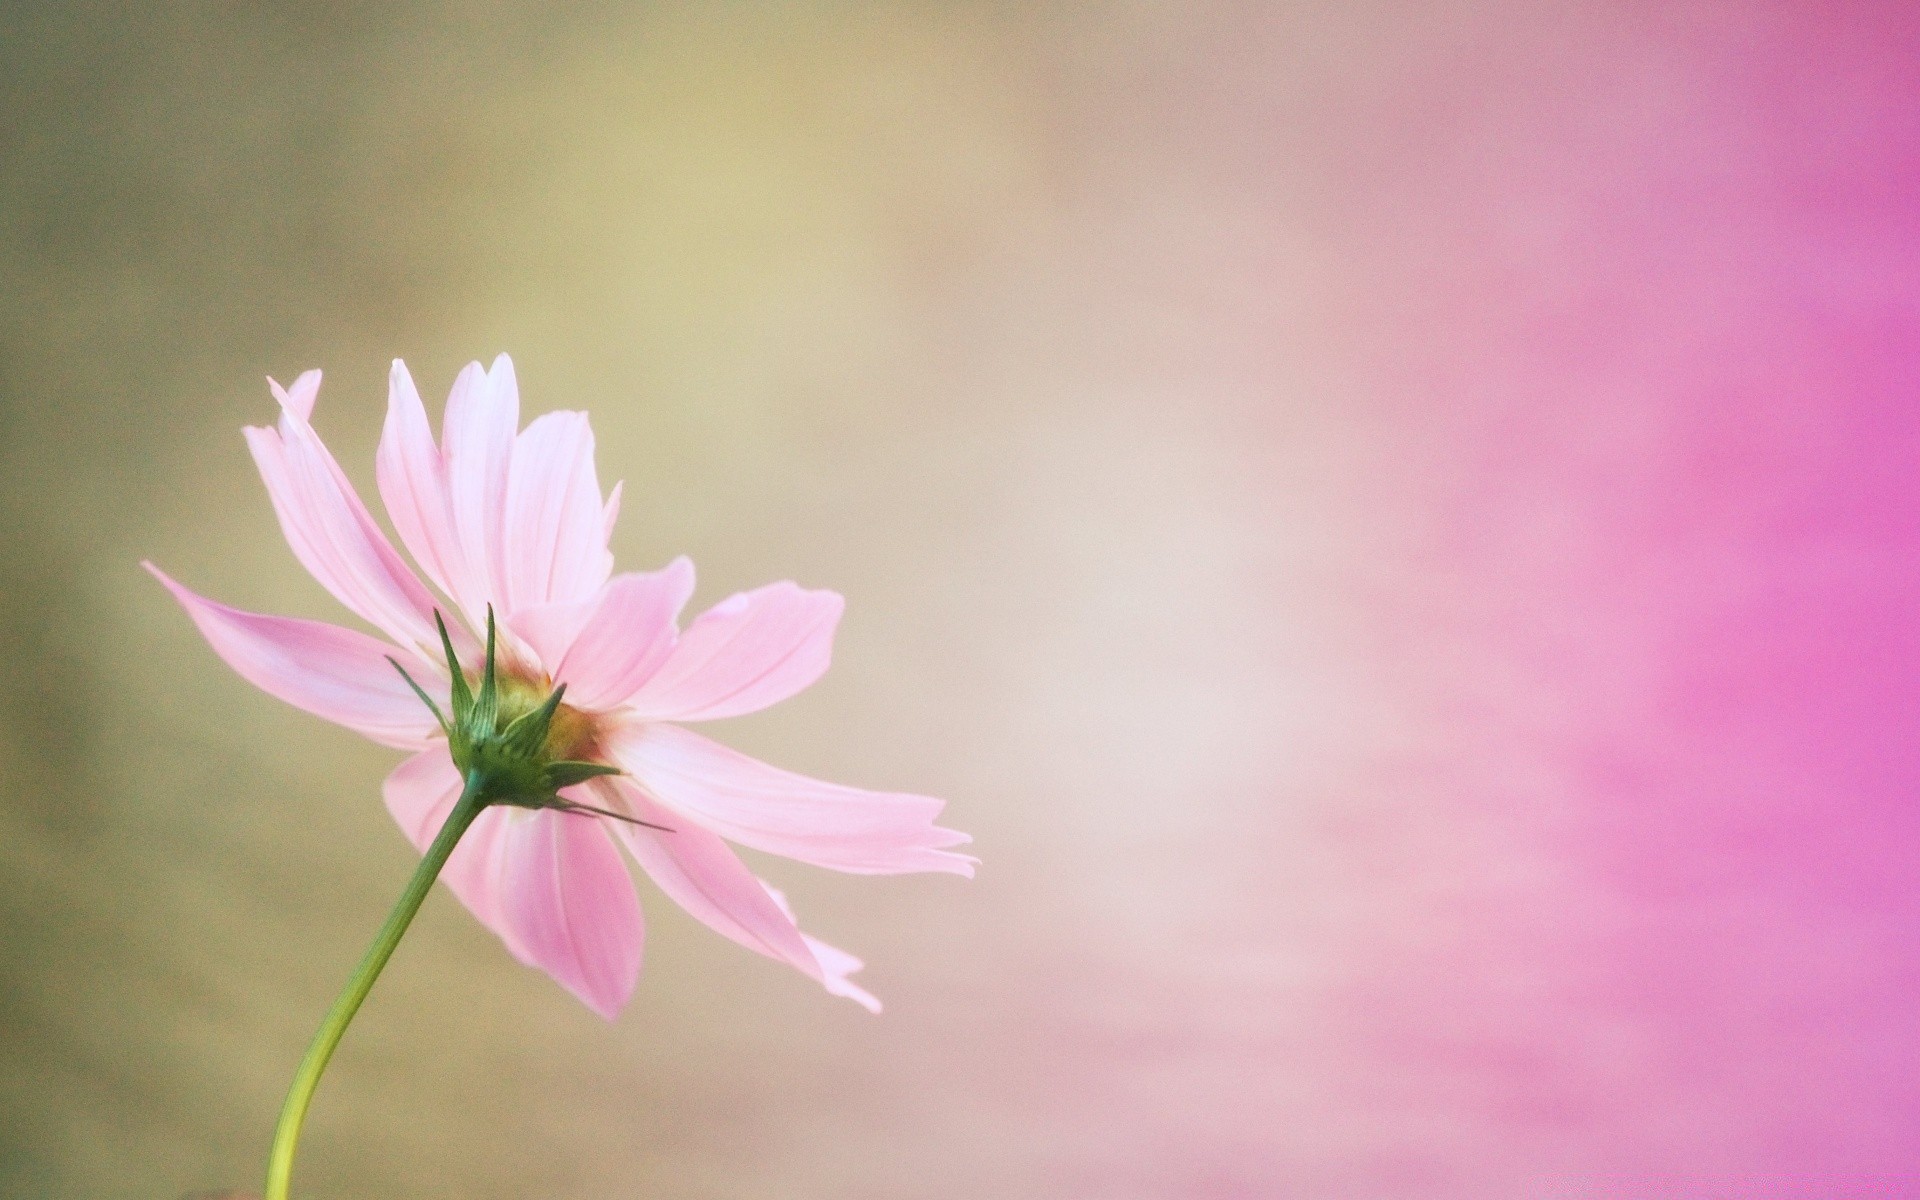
x=486, y=706
x=574, y=806
x=568, y=772
x=424, y=698
x=529, y=730
x=508, y=765
x=461, y=695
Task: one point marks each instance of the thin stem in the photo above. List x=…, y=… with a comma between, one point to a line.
x=292, y=1114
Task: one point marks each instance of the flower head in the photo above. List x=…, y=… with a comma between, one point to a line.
x=562, y=684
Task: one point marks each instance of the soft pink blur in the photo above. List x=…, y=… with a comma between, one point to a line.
x=1582, y=857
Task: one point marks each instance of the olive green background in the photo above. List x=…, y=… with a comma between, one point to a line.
x=913, y=302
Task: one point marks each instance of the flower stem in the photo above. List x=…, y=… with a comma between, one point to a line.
x=294, y=1112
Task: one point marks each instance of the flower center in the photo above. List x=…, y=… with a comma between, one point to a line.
x=512, y=739
x=570, y=732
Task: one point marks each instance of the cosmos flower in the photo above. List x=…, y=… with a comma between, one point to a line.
x=509, y=525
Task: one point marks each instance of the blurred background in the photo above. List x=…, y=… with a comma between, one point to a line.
x=1393, y=524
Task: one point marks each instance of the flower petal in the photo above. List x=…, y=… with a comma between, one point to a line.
x=550, y=884
x=611, y=512
x=700, y=873
x=751, y=650
x=420, y=792
x=554, y=540
x=477, y=436
x=332, y=533
x=412, y=476
x=617, y=644
x=747, y=801
x=569, y=903
x=300, y=397
x=703, y=875
x=339, y=674
x=548, y=629
x=835, y=964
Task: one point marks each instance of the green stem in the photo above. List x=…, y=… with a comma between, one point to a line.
x=294, y=1112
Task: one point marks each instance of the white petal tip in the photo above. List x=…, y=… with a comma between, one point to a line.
x=607, y=1007
x=297, y=401
x=607, y=1013
x=166, y=581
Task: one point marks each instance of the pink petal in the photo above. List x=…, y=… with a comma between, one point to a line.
x=548, y=629
x=701, y=874
x=747, y=801
x=554, y=543
x=625, y=637
x=331, y=532
x=413, y=485
x=300, y=397
x=473, y=871
x=569, y=903
x=549, y=883
x=611, y=512
x=420, y=792
x=338, y=674
x=752, y=650
x=835, y=964
x=477, y=435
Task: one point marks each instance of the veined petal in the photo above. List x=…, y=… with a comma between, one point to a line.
x=554, y=539
x=550, y=884
x=701, y=873
x=477, y=436
x=752, y=650
x=339, y=674
x=747, y=801
x=569, y=903
x=412, y=477
x=611, y=648
x=548, y=629
x=420, y=793
x=331, y=532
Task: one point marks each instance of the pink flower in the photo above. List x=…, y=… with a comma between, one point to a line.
x=513, y=520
